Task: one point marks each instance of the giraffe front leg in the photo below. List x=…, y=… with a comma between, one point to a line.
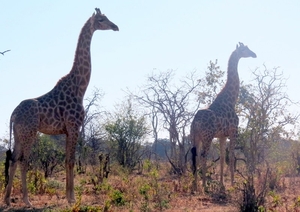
x=70, y=161
x=70, y=182
x=233, y=139
x=222, y=159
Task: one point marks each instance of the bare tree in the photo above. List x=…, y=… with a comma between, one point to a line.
x=173, y=105
x=154, y=124
x=90, y=133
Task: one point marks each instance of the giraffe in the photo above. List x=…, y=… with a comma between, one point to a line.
x=219, y=120
x=60, y=111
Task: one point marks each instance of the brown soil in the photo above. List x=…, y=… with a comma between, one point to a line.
x=176, y=192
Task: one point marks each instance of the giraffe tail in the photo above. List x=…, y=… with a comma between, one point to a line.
x=193, y=149
x=194, y=154
x=12, y=120
x=8, y=154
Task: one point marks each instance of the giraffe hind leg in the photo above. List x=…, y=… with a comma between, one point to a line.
x=7, y=161
x=203, y=160
x=24, y=159
x=24, y=167
x=194, y=161
x=11, y=173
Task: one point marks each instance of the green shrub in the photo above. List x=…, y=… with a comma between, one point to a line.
x=117, y=198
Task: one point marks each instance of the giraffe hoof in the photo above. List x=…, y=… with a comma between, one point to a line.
x=7, y=201
x=71, y=201
x=193, y=192
x=27, y=203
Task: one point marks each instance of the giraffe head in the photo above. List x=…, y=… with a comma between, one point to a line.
x=244, y=51
x=101, y=22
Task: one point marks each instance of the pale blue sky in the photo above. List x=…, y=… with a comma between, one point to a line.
x=161, y=35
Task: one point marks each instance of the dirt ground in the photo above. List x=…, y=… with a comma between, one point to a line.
x=286, y=198
x=181, y=203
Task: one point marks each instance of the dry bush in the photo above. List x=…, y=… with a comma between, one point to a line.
x=155, y=190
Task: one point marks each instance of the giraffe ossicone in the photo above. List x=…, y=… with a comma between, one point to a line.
x=219, y=120
x=60, y=111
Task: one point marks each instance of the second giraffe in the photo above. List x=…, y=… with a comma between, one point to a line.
x=219, y=120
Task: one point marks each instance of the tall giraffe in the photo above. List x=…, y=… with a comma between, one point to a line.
x=219, y=120
x=59, y=111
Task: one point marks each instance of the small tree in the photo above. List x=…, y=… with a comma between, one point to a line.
x=126, y=131
x=211, y=83
x=263, y=112
x=47, y=155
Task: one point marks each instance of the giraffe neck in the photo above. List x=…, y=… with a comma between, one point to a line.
x=233, y=81
x=230, y=92
x=81, y=71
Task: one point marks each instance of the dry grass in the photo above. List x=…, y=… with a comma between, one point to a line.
x=153, y=190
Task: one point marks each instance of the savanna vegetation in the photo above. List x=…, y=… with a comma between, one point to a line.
x=137, y=157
